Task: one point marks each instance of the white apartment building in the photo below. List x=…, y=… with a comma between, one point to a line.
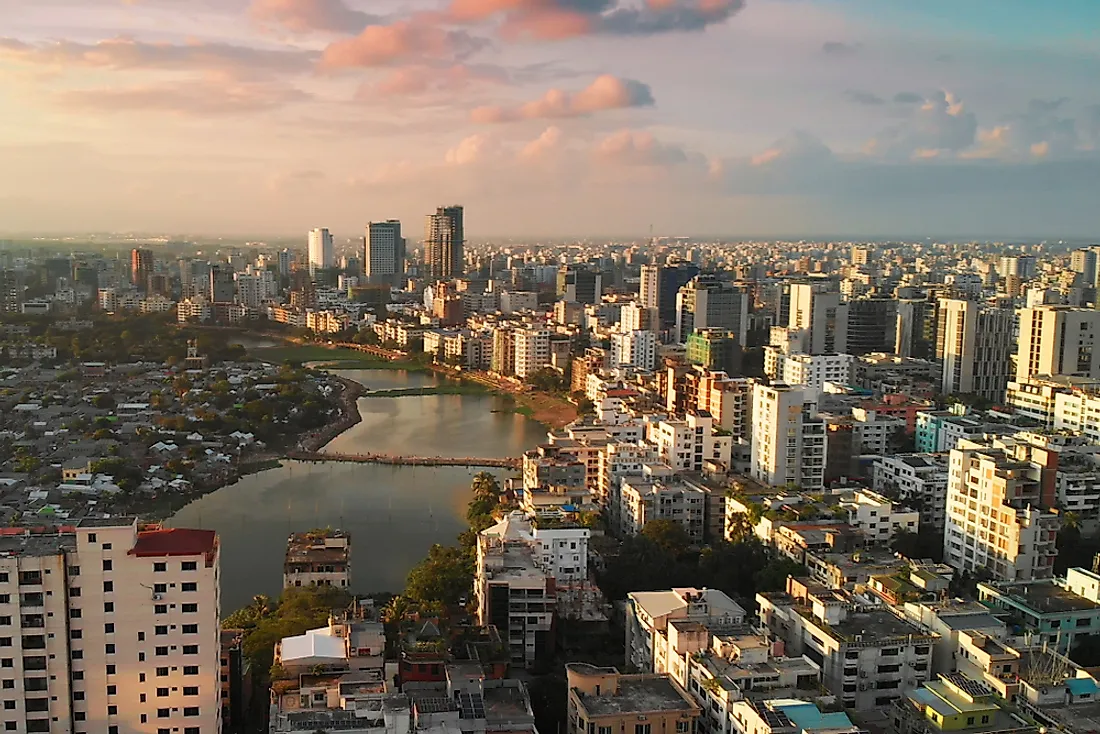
x=318, y=558
x=633, y=316
x=818, y=320
x=976, y=344
x=618, y=460
x=804, y=369
x=255, y=286
x=649, y=613
x=1058, y=340
x=196, y=308
x=516, y=301
x=645, y=499
x=115, y=629
x=636, y=349
x=869, y=657
x=875, y=433
x=878, y=518
x=918, y=479
x=995, y=519
x=788, y=442
x=532, y=351
x=561, y=552
x=729, y=402
x=687, y=443
x=320, y=249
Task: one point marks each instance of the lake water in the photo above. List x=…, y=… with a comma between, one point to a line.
x=394, y=514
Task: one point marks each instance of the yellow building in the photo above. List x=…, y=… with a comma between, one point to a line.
x=956, y=703
x=604, y=701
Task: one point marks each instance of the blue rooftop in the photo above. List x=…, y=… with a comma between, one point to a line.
x=807, y=717
x=1081, y=686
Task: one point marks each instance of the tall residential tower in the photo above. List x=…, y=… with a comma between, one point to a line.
x=444, y=241
x=384, y=253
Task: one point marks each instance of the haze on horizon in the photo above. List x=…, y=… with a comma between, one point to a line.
x=552, y=117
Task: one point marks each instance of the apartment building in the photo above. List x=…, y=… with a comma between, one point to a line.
x=875, y=434
x=115, y=629
x=788, y=443
x=688, y=443
x=818, y=319
x=636, y=349
x=605, y=701
x=995, y=515
x=813, y=371
x=976, y=344
x=647, y=498
x=1058, y=612
x=616, y=461
x=531, y=351
x=869, y=657
x=318, y=558
x=920, y=480
x=649, y=614
x=728, y=400
x=789, y=716
x=878, y=518
x=1058, y=340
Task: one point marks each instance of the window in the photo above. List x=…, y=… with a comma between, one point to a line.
x=162, y=693
x=189, y=586
x=112, y=710
x=111, y=669
x=160, y=588
x=160, y=567
x=190, y=690
x=141, y=637
x=5, y=598
x=985, y=718
x=191, y=711
x=5, y=642
x=641, y=728
x=109, y=628
x=190, y=629
x=683, y=726
x=108, y=585
x=10, y=726
x=106, y=564
x=10, y=705
x=970, y=721
x=189, y=566
x=76, y=634
x=73, y=614
x=190, y=649
x=108, y=606
x=91, y=537
x=190, y=730
x=112, y=729
x=77, y=654
x=161, y=650
x=160, y=629
x=141, y=679
x=161, y=672
x=38, y=725
x=78, y=695
x=79, y=716
x=109, y=648
x=9, y=683
x=112, y=690
x=190, y=670
x=78, y=675
x=7, y=663
x=74, y=570
x=141, y=698
x=189, y=608
x=160, y=609
x=162, y=714
x=74, y=591
x=1083, y=622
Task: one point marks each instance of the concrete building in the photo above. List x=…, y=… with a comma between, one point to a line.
x=687, y=444
x=531, y=350
x=818, y=319
x=877, y=517
x=995, y=515
x=919, y=480
x=634, y=349
x=715, y=349
x=645, y=499
x=221, y=284
x=318, y=558
x=117, y=627
x=445, y=243
x=141, y=267
x=579, y=284
x=1058, y=340
x=788, y=716
x=659, y=287
x=649, y=613
x=1083, y=261
x=604, y=701
x=872, y=326
x=788, y=442
x=384, y=253
x=975, y=343
x=869, y=657
x=707, y=302
x=320, y=252
x=810, y=371
x=1058, y=611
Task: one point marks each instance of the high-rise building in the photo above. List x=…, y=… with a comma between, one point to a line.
x=141, y=267
x=117, y=629
x=444, y=243
x=1058, y=340
x=862, y=255
x=1083, y=261
x=1020, y=266
x=532, y=351
x=707, y=302
x=284, y=263
x=659, y=286
x=384, y=253
x=715, y=349
x=915, y=332
x=634, y=349
x=321, y=253
x=12, y=290
x=872, y=325
x=975, y=344
x=222, y=285
x=995, y=515
x=819, y=318
x=788, y=442
x=579, y=284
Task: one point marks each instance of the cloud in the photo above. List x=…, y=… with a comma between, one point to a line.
x=639, y=148
x=284, y=181
x=126, y=54
x=797, y=148
x=940, y=123
x=864, y=98
x=908, y=98
x=838, y=48
x=555, y=19
x=306, y=16
x=402, y=41
x=469, y=150
x=605, y=93
x=1038, y=132
x=547, y=142
x=205, y=97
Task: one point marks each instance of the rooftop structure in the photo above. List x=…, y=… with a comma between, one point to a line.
x=318, y=558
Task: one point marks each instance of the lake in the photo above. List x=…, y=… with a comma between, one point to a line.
x=394, y=513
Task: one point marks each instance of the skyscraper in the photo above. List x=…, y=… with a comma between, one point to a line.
x=659, y=286
x=223, y=287
x=444, y=242
x=384, y=253
x=975, y=344
x=578, y=284
x=284, y=263
x=141, y=266
x=1058, y=340
x=709, y=303
x=820, y=318
x=321, y=254
x=1083, y=261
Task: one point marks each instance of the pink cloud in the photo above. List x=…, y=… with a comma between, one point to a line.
x=304, y=16
x=547, y=142
x=421, y=79
x=469, y=150
x=381, y=45
x=605, y=93
x=207, y=97
x=639, y=148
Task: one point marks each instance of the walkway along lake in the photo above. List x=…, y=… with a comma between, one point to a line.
x=394, y=513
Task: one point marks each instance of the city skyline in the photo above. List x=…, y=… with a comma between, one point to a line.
x=753, y=118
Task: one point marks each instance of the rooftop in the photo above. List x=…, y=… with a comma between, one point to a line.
x=174, y=542
x=639, y=694
x=1044, y=597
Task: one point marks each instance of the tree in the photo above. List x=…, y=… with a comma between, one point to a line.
x=445, y=576
x=668, y=535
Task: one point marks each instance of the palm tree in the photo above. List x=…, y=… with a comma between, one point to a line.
x=260, y=606
x=396, y=610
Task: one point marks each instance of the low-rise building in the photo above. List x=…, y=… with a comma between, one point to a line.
x=645, y=499
x=605, y=701
x=1058, y=612
x=919, y=480
x=318, y=558
x=877, y=517
x=649, y=613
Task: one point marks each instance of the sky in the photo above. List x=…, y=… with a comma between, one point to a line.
x=552, y=118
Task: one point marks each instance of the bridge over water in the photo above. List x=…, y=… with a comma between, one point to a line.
x=469, y=461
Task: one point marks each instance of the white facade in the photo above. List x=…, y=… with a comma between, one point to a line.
x=686, y=444
x=788, y=442
x=649, y=613
x=919, y=478
x=532, y=351
x=877, y=517
x=634, y=349
x=633, y=317
x=643, y=500
x=561, y=552
x=1058, y=340
x=321, y=253
x=819, y=319
x=516, y=301
x=976, y=345
x=875, y=433
x=812, y=371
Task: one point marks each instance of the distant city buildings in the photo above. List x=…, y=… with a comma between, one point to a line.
x=320, y=253
x=444, y=243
